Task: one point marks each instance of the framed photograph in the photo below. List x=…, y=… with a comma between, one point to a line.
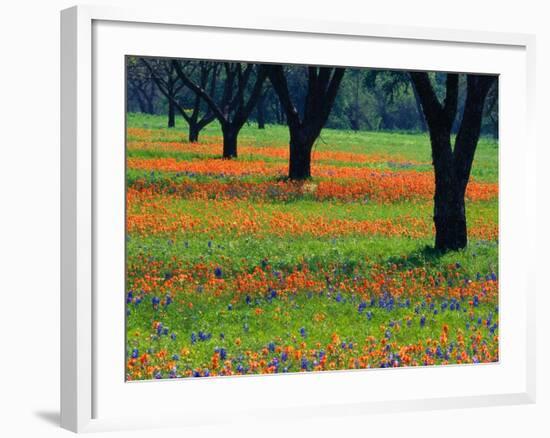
x=312, y=218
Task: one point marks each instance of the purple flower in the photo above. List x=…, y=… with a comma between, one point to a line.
x=155, y=301
x=218, y=272
x=422, y=321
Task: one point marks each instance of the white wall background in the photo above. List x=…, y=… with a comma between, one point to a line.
x=29, y=215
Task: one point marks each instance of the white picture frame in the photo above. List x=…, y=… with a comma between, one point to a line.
x=91, y=392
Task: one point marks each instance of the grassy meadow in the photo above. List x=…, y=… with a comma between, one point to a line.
x=232, y=269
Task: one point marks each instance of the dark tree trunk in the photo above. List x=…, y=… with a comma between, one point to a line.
x=194, y=130
x=449, y=206
x=171, y=114
x=260, y=111
x=421, y=118
x=299, y=167
x=230, y=134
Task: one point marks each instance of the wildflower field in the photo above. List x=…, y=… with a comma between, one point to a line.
x=232, y=269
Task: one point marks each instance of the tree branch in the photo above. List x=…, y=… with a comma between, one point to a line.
x=198, y=90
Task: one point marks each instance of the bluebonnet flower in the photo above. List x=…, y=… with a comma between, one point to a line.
x=272, y=293
x=155, y=301
x=218, y=272
x=175, y=357
x=304, y=363
x=223, y=353
x=476, y=301
x=248, y=299
x=303, y=332
x=203, y=336
x=369, y=315
x=135, y=353
x=173, y=336
x=209, y=244
x=422, y=321
x=129, y=297
x=167, y=301
x=493, y=276
x=271, y=346
x=165, y=331
x=193, y=338
x=362, y=306
x=284, y=356
x=229, y=307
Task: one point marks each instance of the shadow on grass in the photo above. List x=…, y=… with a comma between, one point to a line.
x=425, y=256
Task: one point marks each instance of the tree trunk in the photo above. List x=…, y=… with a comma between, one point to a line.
x=300, y=155
x=171, y=114
x=449, y=205
x=230, y=134
x=421, y=118
x=194, y=130
x=260, y=112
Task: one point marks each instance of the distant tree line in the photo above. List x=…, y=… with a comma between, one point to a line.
x=454, y=109
x=367, y=99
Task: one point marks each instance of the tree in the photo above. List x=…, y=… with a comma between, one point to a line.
x=164, y=77
x=141, y=87
x=452, y=166
x=233, y=108
x=169, y=83
x=322, y=87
